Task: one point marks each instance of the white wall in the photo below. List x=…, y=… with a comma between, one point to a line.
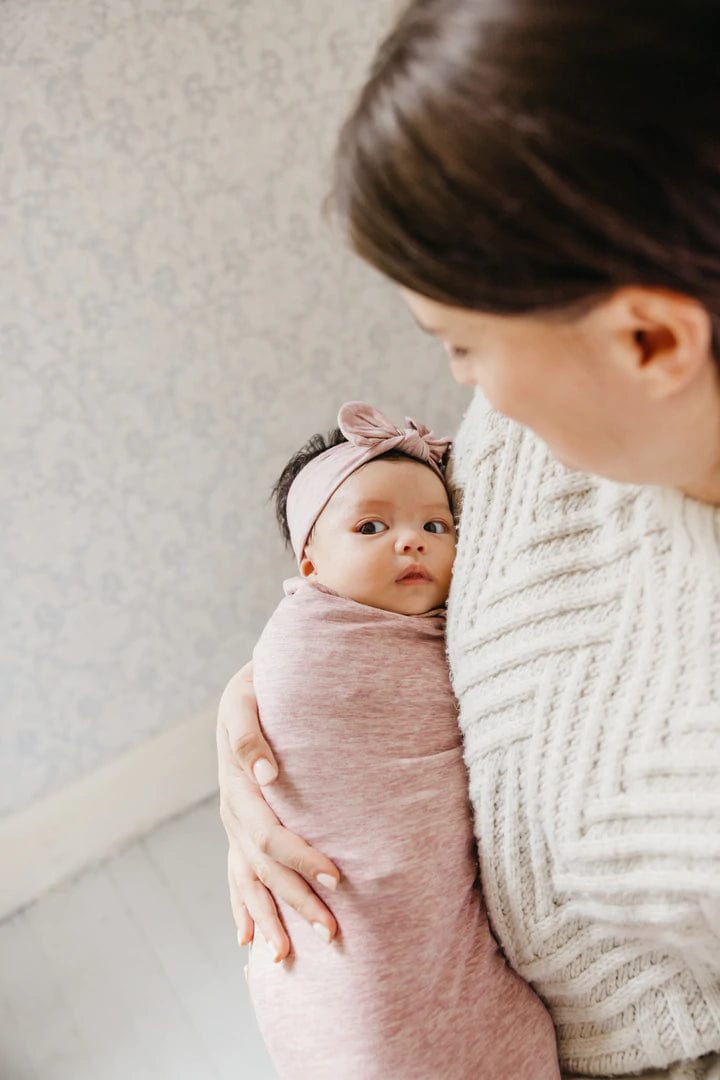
x=175, y=319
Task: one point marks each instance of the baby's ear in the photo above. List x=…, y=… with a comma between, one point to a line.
x=307, y=566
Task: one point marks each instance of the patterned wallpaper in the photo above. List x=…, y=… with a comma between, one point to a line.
x=175, y=319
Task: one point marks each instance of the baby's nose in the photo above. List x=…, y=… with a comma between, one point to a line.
x=410, y=540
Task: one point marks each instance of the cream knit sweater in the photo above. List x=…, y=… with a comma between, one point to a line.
x=584, y=641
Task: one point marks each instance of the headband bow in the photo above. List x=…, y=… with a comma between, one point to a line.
x=365, y=426
x=369, y=434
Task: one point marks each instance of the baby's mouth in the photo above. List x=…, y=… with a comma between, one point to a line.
x=414, y=575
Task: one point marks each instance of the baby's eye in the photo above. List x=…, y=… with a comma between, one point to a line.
x=436, y=527
x=368, y=528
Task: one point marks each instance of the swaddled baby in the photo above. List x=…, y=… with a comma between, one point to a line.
x=354, y=697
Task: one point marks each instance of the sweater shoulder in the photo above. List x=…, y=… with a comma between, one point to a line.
x=584, y=639
x=498, y=465
x=482, y=431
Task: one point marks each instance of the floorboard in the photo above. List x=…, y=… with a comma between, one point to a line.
x=132, y=971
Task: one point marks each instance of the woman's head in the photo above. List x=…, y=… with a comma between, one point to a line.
x=515, y=155
x=530, y=159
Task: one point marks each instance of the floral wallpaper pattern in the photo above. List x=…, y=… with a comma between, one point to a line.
x=176, y=318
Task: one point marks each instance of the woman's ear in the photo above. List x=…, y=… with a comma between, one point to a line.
x=669, y=337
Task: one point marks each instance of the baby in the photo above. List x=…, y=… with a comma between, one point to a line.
x=351, y=668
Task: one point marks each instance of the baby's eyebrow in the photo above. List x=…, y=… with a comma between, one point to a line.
x=371, y=504
x=364, y=504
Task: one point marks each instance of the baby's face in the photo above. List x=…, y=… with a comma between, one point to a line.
x=386, y=538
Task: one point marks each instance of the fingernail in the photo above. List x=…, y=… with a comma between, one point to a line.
x=263, y=771
x=328, y=881
x=242, y=941
x=322, y=931
x=274, y=952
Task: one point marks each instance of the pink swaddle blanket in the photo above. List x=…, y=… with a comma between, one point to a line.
x=357, y=705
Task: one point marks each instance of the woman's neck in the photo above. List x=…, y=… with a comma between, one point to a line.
x=700, y=444
x=706, y=490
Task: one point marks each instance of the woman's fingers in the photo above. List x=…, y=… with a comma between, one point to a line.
x=269, y=930
x=266, y=858
x=288, y=850
x=243, y=922
x=266, y=862
x=238, y=724
x=247, y=893
x=254, y=830
x=297, y=894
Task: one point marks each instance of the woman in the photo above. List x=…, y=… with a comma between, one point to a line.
x=542, y=180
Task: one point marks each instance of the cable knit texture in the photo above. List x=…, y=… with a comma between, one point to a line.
x=584, y=639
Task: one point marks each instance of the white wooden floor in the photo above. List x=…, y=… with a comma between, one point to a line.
x=132, y=972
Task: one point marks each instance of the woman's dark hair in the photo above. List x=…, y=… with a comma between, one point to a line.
x=516, y=155
x=316, y=445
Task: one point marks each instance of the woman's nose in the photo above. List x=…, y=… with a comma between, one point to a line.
x=410, y=540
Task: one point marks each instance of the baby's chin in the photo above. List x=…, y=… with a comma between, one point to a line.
x=399, y=599
x=417, y=601
x=422, y=609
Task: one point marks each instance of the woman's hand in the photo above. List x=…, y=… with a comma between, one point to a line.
x=265, y=860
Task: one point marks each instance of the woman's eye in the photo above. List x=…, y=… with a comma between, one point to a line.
x=368, y=528
x=436, y=527
x=457, y=352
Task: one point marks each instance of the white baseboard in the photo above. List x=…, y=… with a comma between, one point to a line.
x=58, y=836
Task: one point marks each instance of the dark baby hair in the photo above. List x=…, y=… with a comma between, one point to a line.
x=516, y=155
x=316, y=445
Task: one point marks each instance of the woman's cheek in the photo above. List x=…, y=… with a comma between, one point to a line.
x=495, y=373
x=461, y=371
x=502, y=396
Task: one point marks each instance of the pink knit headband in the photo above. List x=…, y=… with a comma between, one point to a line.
x=369, y=435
